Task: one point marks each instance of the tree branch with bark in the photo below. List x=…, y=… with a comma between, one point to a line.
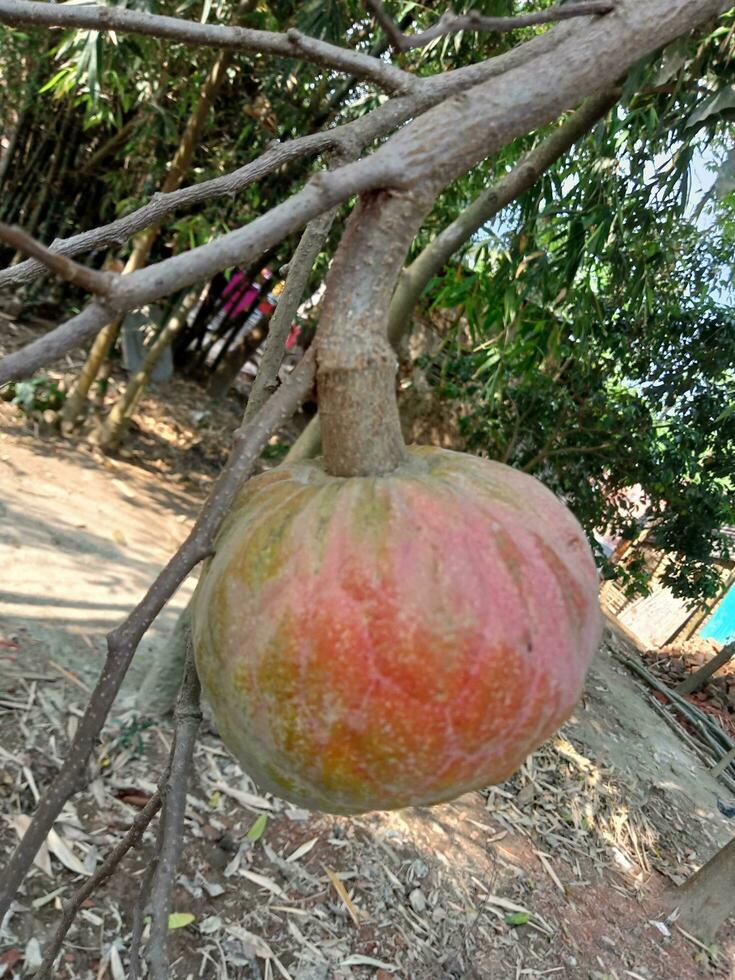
x=188, y=717
x=98, y=283
x=451, y=23
x=524, y=97
x=347, y=139
x=172, y=790
x=291, y=44
x=108, y=867
x=415, y=277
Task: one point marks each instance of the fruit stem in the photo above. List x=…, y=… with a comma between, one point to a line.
x=356, y=366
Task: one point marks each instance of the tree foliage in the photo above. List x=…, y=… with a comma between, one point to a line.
x=597, y=338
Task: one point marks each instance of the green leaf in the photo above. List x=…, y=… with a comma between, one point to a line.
x=177, y=920
x=53, y=82
x=256, y=831
x=721, y=104
x=517, y=918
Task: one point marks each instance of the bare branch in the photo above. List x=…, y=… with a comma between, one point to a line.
x=173, y=787
x=395, y=35
x=123, y=641
x=55, y=343
x=429, y=263
x=312, y=241
x=79, y=275
x=131, y=839
x=292, y=44
x=440, y=145
x=188, y=717
x=451, y=23
x=234, y=248
x=352, y=136
x=450, y=138
x=139, y=917
x=162, y=205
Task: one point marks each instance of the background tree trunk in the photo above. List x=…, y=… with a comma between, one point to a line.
x=179, y=165
x=112, y=430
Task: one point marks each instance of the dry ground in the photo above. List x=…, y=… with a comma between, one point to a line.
x=558, y=872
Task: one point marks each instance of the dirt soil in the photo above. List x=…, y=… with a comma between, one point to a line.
x=559, y=872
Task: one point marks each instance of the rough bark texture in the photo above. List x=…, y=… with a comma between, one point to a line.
x=706, y=899
x=581, y=55
x=348, y=137
x=292, y=44
x=171, y=832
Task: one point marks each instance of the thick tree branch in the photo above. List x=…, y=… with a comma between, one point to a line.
x=131, y=839
x=291, y=44
x=439, y=145
x=161, y=205
x=361, y=430
x=123, y=641
x=348, y=139
x=55, y=343
x=451, y=23
x=414, y=278
x=442, y=143
x=94, y=282
x=188, y=717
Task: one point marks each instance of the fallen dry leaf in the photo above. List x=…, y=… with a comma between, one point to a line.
x=342, y=892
